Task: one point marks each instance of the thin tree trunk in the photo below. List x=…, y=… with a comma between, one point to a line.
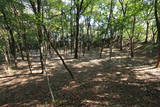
x=88, y=33
x=27, y=52
x=131, y=38
x=111, y=29
x=158, y=58
x=54, y=48
x=124, y=10
x=71, y=28
x=146, y=39
x=7, y=60
x=21, y=51
x=101, y=48
x=40, y=40
x=38, y=11
x=12, y=43
x=121, y=41
x=13, y=47
x=77, y=36
x=131, y=47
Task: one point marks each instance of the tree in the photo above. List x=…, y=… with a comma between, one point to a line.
x=157, y=19
x=81, y=6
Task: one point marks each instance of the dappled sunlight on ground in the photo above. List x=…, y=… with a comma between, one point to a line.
x=90, y=63
x=147, y=73
x=92, y=103
x=99, y=82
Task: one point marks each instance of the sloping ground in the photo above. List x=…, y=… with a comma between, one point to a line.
x=147, y=49
x=121, y=82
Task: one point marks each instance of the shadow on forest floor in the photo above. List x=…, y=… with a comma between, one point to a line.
x=99, y=82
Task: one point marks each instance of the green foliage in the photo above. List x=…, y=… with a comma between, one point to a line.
x=58, y=14
x=151, y=47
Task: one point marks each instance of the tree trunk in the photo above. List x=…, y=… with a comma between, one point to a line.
x=12, y=43
x=158, y=59
x=37, y=9
x=146, y=39
x=77, y=35
x=121, y=41
x=27, y=52
x=124, y=9
x=157, y=20
x=13, y=47
x=132, y=47
x=21, y=51
x=40, y=40
x=101, y=48
x=71, y=27
x=131, y=38
x=7, y=60
x=88, y=33
x=52, y=45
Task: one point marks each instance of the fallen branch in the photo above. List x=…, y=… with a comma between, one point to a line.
x=54, y=48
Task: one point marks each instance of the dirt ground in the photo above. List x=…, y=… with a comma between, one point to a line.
x=100, y=82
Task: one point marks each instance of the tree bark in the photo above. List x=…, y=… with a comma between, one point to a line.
x=37, y=11
x=77, y=35
x=54, y=48
x=12, y=43
x=124, y=10
x=157, y=20
x=146, y=39
x=27, y=51
x=131, y=38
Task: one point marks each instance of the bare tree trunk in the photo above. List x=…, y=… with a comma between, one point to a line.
x=21, y=51
x=54, y=48
x=12, y=43
x=111, y=44
x=158, y=61
x=154, y=31
x=131, y=47
x=101, y=50
x=121, y=41
x=7, y=59
x=71, y=27
x=157, y=20
x=79, y=5
x=146, y=39
x=111, y=29
x=37, y=9
x=88, y=33
x=77, y=36
x=131, y=37
x=27, y=52
x=40, y=40
x=13, y=47
x=158, y=29
x=124, y=10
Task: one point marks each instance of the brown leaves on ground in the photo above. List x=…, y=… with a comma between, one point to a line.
x=122, y=82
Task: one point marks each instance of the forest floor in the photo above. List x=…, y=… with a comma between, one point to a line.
x=100, y=82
